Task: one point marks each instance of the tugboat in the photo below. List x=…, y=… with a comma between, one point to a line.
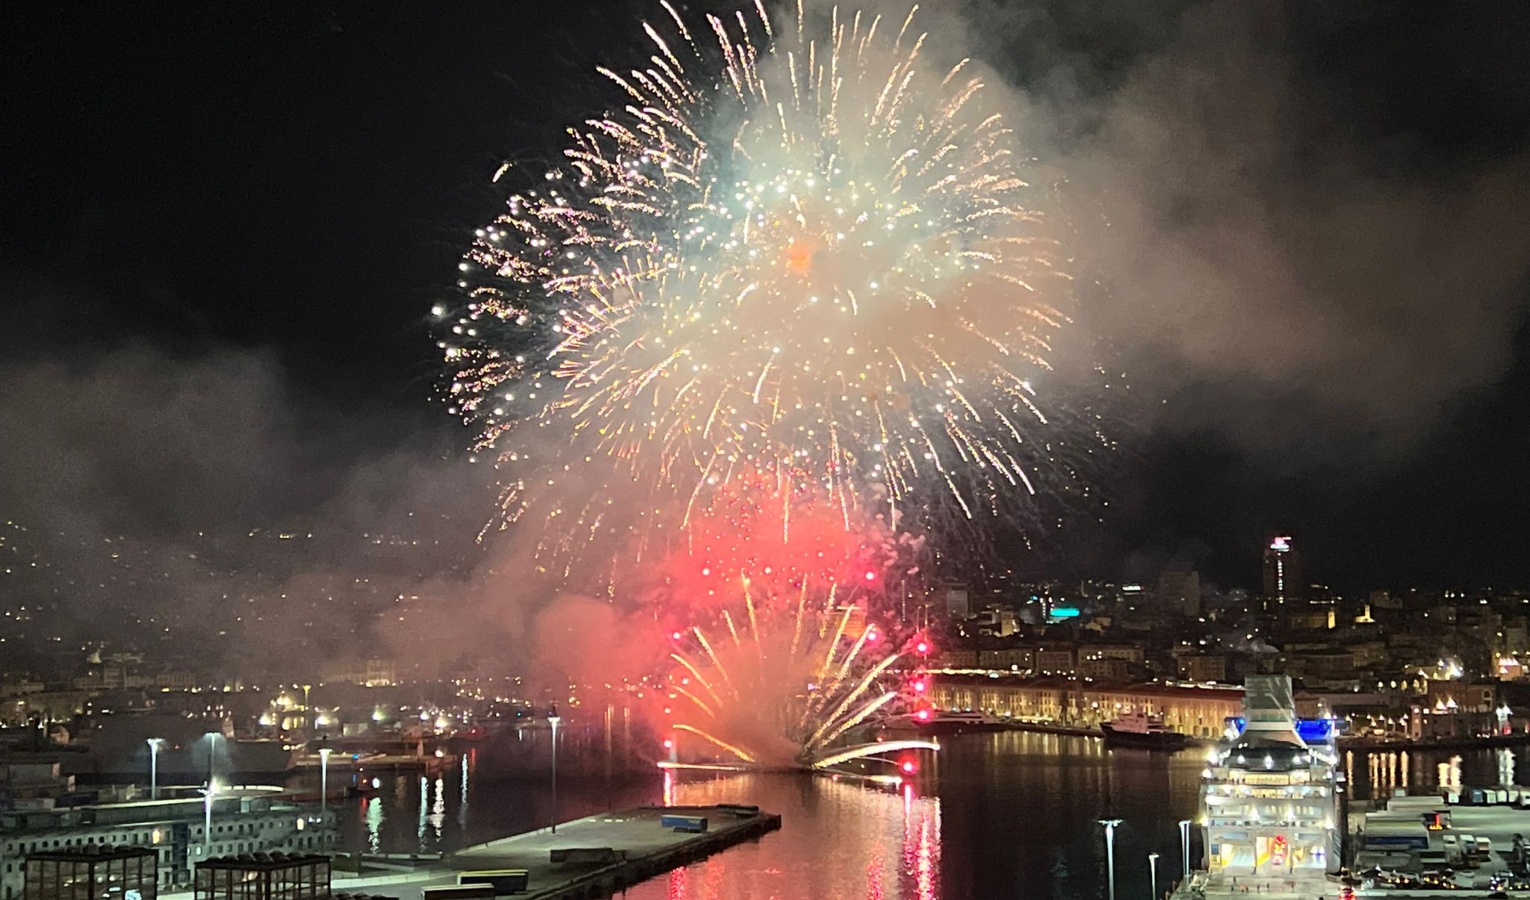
x=1140, y=730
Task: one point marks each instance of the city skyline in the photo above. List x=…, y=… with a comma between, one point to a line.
x=758, y=448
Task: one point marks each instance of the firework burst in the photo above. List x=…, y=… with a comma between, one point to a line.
x=794, y=252
x=787, y=681
x=780, y=648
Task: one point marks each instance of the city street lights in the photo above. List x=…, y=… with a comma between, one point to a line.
x=1110, y=853
x=154, y=767
x=1153, y=873
x=553, y=720
x=1184, y=846
x=324, y=753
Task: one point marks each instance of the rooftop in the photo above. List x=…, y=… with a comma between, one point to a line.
x=264, y=862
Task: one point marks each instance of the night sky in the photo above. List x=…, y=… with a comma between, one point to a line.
x=1304, y=235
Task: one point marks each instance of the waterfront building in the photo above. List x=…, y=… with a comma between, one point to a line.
x=1456, y=709
x=1198, y=711
x=243, y=821
x=1268, y=798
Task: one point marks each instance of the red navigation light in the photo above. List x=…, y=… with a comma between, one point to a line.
x=919, y=686
x=706, y=570
x=674, y=635
x=922, y=648
x=922, y=715
x=669, y=744
x=871, y=635
x=908, y=767
x=871, y=576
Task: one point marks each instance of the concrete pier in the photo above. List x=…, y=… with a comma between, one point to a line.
x=641, y=848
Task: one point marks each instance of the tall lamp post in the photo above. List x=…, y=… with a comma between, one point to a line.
x=1184, y=846
x=154, y=767
x=212, y=756
x=1153, y=873
x=1110, y=853
x=553, y=720
x=212, y=788
x=207, y=805
x=324, y=753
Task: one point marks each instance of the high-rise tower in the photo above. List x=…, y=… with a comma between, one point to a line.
x=1282, y=573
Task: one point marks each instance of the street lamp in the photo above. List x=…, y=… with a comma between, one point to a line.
x=207, y=805
x=324, y=753
x=154, y=767
x=1110, y=853
x=553, y=720
x=212, y=747
x=1153, y=873
x=1184, y=845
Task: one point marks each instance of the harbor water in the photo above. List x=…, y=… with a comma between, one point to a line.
x=997, y=815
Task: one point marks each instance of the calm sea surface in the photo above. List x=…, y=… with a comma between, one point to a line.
x=1009, y=815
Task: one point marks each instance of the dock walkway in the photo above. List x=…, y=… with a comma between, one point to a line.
x=643, y=848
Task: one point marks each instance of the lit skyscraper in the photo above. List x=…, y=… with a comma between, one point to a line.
x=1282, y=572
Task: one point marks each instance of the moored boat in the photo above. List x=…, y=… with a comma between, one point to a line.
x=1138, y=729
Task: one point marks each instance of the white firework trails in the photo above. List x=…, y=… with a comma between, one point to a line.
x=795, y=252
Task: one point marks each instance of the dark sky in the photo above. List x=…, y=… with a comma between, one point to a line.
x=1304, y=229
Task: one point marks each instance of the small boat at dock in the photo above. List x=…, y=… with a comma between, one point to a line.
x=1142, y=731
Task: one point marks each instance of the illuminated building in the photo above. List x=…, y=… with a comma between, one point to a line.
x=1195, y=711
x=1268, y=802
x=1509, y=668
x=1282, y=573
x=1456, y=709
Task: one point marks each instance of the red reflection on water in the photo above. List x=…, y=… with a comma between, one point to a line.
x=874, y=878
x=921, y=846
x=837, y=840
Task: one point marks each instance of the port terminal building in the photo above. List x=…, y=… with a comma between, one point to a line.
x=1198, y=711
